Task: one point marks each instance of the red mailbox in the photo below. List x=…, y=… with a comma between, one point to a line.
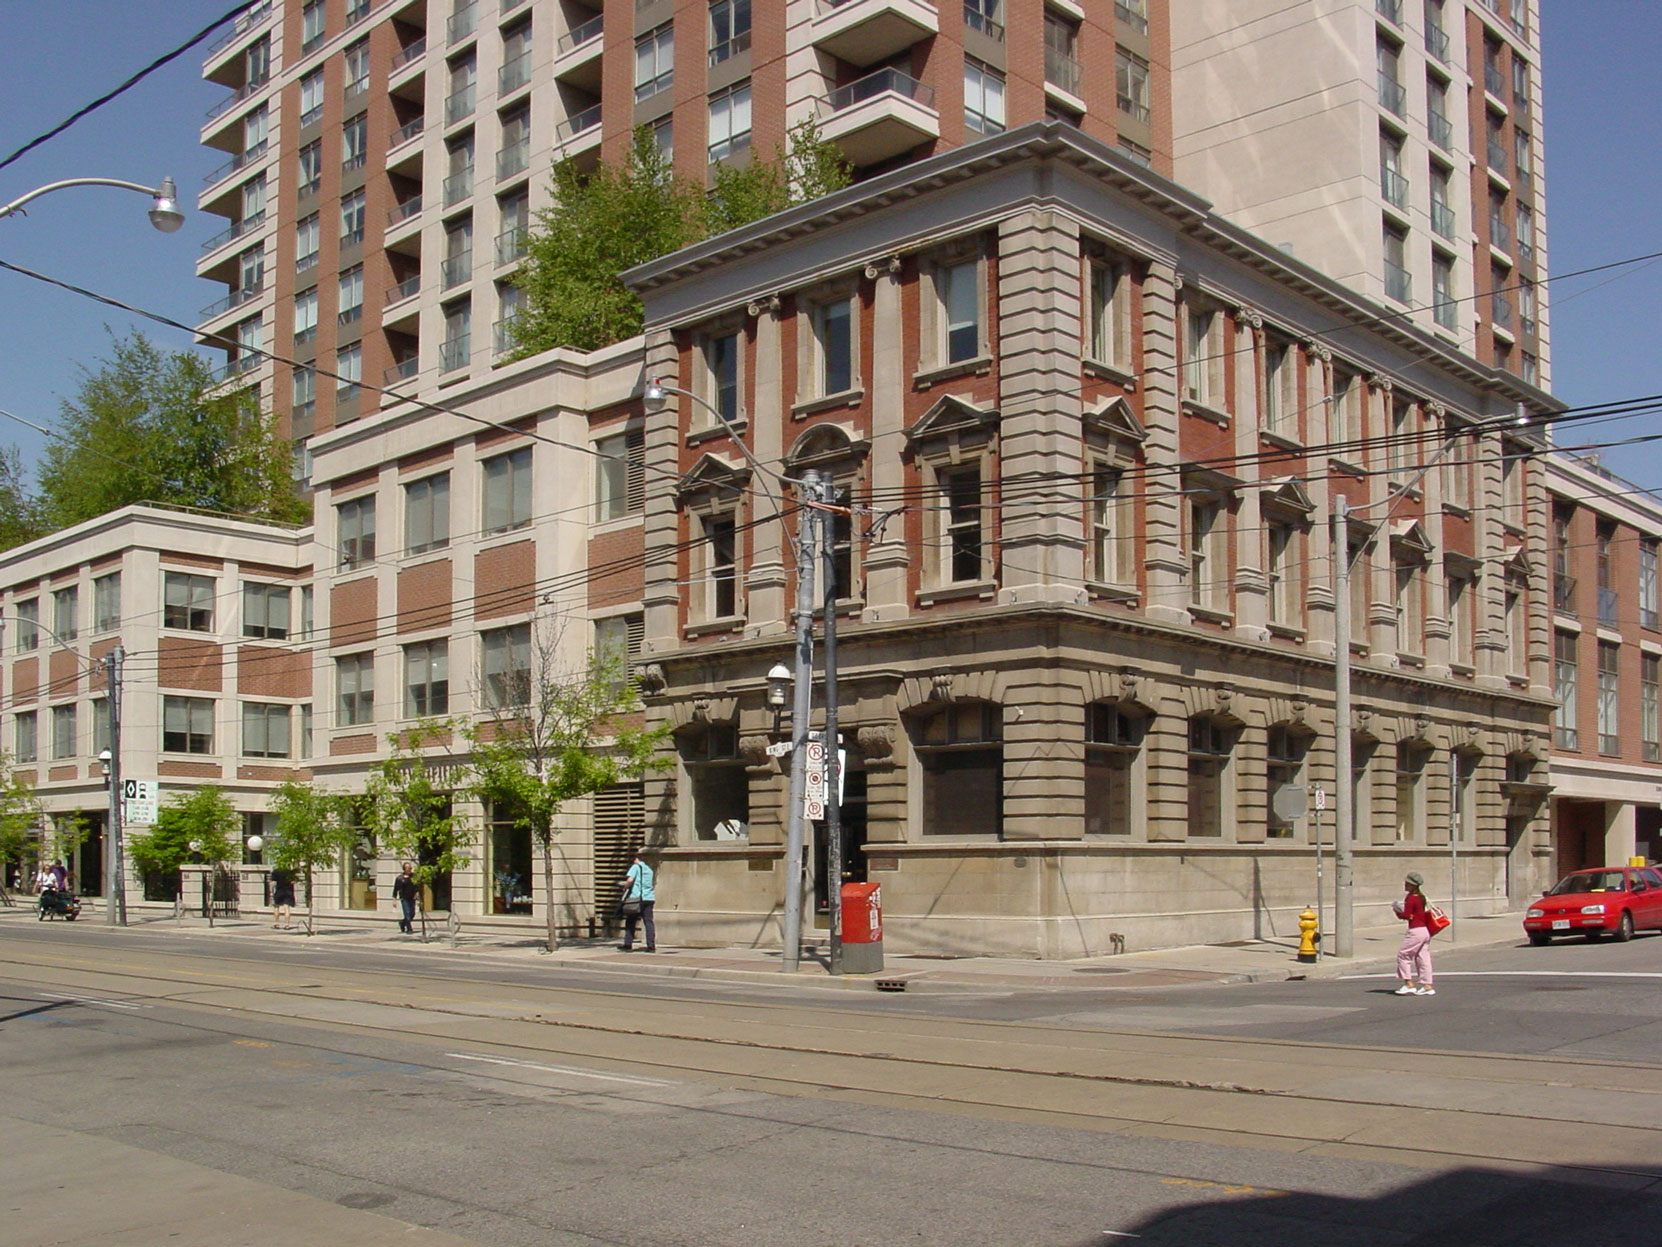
x=862, y=928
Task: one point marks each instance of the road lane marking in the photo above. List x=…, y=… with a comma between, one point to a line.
x=92, y=1000
x=560, y=1069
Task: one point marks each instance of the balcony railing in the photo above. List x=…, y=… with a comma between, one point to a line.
x=406, y=132
x=454, y=353
x=1446, y=313
x=1526, y=323
x=404, y=211
x=239, y=161
x=1393, y=96
x=512, y=160
x=244, y=23
x=235, y=299
x=1526, y=250
x=458, y=104
x=1609, y=607
x=462, y=23
x=1494, y=82
x=1399, y=285
x=510, y=244
x=236, y=97
x=1442, y=220
x=873, y=85
x=577, y=36
x=406, y=289
x=1441, y=130
x=235, y=230
x=455, y=270
x=1063, y=71
x=1390, y=10
x=1563, y=594
x=514, y=75
x=414, y=52
x=1499, y=235
x=1394, y=187
x=502, y=336
x=1134, y=15
x=457, y=187
x=1436, y=43
x=403, y=370
x=1501, y=310
x=574, y=125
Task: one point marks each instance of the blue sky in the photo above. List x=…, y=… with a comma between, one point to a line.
x=1603, y=186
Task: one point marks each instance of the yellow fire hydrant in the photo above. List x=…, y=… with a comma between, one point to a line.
x=1307, y=936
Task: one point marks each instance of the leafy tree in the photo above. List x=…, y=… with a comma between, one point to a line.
x=617, y=217
x=20, y=517
x=198, y=826
x=20, y=815
x=560, y=736
x=313, y=832
x=408, y=806
x=144, y=425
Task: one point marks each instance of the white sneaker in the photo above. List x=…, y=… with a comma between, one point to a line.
x=1406, y=990
x=1425, y=991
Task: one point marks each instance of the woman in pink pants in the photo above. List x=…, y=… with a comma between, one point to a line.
x=1414, y=957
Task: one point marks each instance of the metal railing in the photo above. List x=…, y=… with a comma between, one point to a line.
x=414, y=52
x=1441, y=130
x=1436, y=43
x=406, y=132
x=457, y=187
x=975, y=19
x=514, y=75
x=235, y=230
x=245, y=22
x=577, y=36
x=510, y=244
x=1494, y=82
x=458, y=104
x=1442, y=220
x=454, y=353
x=1446, y=314
x=241, y=160
x=1064, y=71
x=463, y=22
x=1498, y=162
x=404, y=211
x=235, y=299
x=236, y=97
x=1501, y=310
x=403, y=370
x=1610, y=602
x=1563, y=594
x=1394, y=187
x=502, y=336
x=1499, y=235
x=406, y=289
x=574, y=125
x=1390, y=10
x=1399, y=284
x=512, y=160
x=882, y=82
x=455, y=270
x=730, y=48
x=1393, y=96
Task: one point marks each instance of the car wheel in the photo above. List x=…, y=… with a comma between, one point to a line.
x=1624, y=928
x=1539, y=938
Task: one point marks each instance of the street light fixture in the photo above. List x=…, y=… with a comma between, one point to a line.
x=165, y=213
x=779, y=691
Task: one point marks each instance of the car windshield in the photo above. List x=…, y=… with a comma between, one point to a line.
x=1590, y=881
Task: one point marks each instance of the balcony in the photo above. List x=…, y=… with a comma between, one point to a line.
x=510, y=244
x=1501, y=311
x=513, y=160
x=514, y=75
x=403, y=370
x=463, y=22
x=882, y=115
x=1563, y=594
x=577, y=55
x=1500, y=237
x=236, y=367
x=863, y=32
x=237, y=163
x=1133, y=14
x=1399, y=285
x=405, y=211
x=1440, y=130
x=408, y=56
x=1436, y=44
x=1442, y=220
x=503, y=341
x=1393, y=96
x=1494, y=82
x=1497, y=157
x=233, y=300
x=1446, y=313
x=578, y=132
x=454, y=353
x=1394, y=187
x=404, y=133
x=236, y=97
x=233, y=231
x=455, y=270
x=1064, y=73
x=406, y=289
x=245, y=24
x=458, y=105
x=1390, y=10
x=457, y=187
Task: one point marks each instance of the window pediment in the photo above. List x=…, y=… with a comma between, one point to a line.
x=713, y=476
x=1409, y=540
x=1198, y=478
x=952, y=418
x=1289, y=497
x=825, y=444
x=1519, y=564
x=1113, y=418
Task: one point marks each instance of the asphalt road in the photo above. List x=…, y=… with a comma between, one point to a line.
x=375, y=1096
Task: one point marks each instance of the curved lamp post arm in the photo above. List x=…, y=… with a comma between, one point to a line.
x=657, y=390
x=164, y=212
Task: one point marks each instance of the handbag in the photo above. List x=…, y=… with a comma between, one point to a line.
x=1435, y=919
x=630, y=907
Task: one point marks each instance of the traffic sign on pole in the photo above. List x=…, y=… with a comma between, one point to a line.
x=140, y=801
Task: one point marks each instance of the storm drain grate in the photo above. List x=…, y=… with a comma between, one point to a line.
x=891, y=985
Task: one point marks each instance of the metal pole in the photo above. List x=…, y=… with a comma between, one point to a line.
x=801, y=708
x=115, y=884
x=1344, y=915
x=1316, y=823
x=833, y=749
x=1454, y=812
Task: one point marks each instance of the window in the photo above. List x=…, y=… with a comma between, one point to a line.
x=1461, y=624
x=960, y=556
x=1604, y=562
x=458, y=335
x=716, y=778
x=960, y=752
x=65, y=740
x=507, y=665
x=355, y=528
x=106, y=602
x=351, y=295
x=265, y=730
x=720, y=551
x=1411, y=756
x=1111, y=527
x=311, y=25
x=426, y=679
x=1648, y=551
x=1062, y=52
x=1525, y=221
x=1284, y=766
x=1113, y=742
x=458, y=185
x=1280, y=569
x=311, y=167
x=721, y=373
x=729, y=29
x=1387, y=60
x=349, y=370
x=1202, y=357
x=427, y=514
x=1392, y=185
x=1564, y=719
x=26, y=736
x=1110, y=314
x=958, y=296
x=257, y=61
x=354, y=142
x=507, y=489
x=1403, y=443
x=357, y=67
x=352, y=217
x=305, y=242
x=1445, y=309
x=654, y=61
x=253, y=201
x=1399, y=283
x=100, y=725
x=619, y=638
x=311, y=97
x=1279, y=401
x=305, y=316
x=265, y=611
x=28, y=624
x=833, y=345
x=1211, y=742
x=1465, y=803
x=1438, y=125
x=729, y=128
x=355, y=684
x=1131, y=85
x=982, y=15
x=513, y=154
x=1522, y=158
x=464, y=74
x=1610, y=738
x=1344, y=415
x=187, y=725
x=1650, y=705
x=983, y=97
x=620, y=471
x=304, y=382
x=66, y=613
x=356, y=11
x=1208, y=572
x=1408, y=572
x=510, y=863
x=187, y=602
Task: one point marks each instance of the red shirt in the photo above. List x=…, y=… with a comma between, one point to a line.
x=1413, y=909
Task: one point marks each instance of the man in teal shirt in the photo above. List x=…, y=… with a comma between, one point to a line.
x=638, y=900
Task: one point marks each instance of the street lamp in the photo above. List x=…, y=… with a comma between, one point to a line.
x=165, y=213
x=779, y=691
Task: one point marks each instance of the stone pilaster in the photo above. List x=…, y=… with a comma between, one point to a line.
x=1044, y=760
x=885, y=561
x=1164, y=565
x=767, y=576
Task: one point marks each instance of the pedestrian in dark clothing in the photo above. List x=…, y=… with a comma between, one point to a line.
x=282, y=897
x=638, y=900
x=404, y=888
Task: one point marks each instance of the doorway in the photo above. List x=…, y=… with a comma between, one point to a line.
x=854, y=837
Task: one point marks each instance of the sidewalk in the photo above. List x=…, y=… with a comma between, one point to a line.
x=1254, y=961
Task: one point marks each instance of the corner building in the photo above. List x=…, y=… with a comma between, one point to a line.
x=1089, y=434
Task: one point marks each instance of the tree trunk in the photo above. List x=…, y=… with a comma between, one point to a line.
x=548, y=888
x=311, y=905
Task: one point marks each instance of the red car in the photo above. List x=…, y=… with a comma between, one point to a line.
x=1619, y=899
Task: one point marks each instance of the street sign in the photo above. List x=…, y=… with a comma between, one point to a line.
x=779, y=748
x=140, y=799
x=815, y=790
x=1290, y=802
x=1321, y=798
